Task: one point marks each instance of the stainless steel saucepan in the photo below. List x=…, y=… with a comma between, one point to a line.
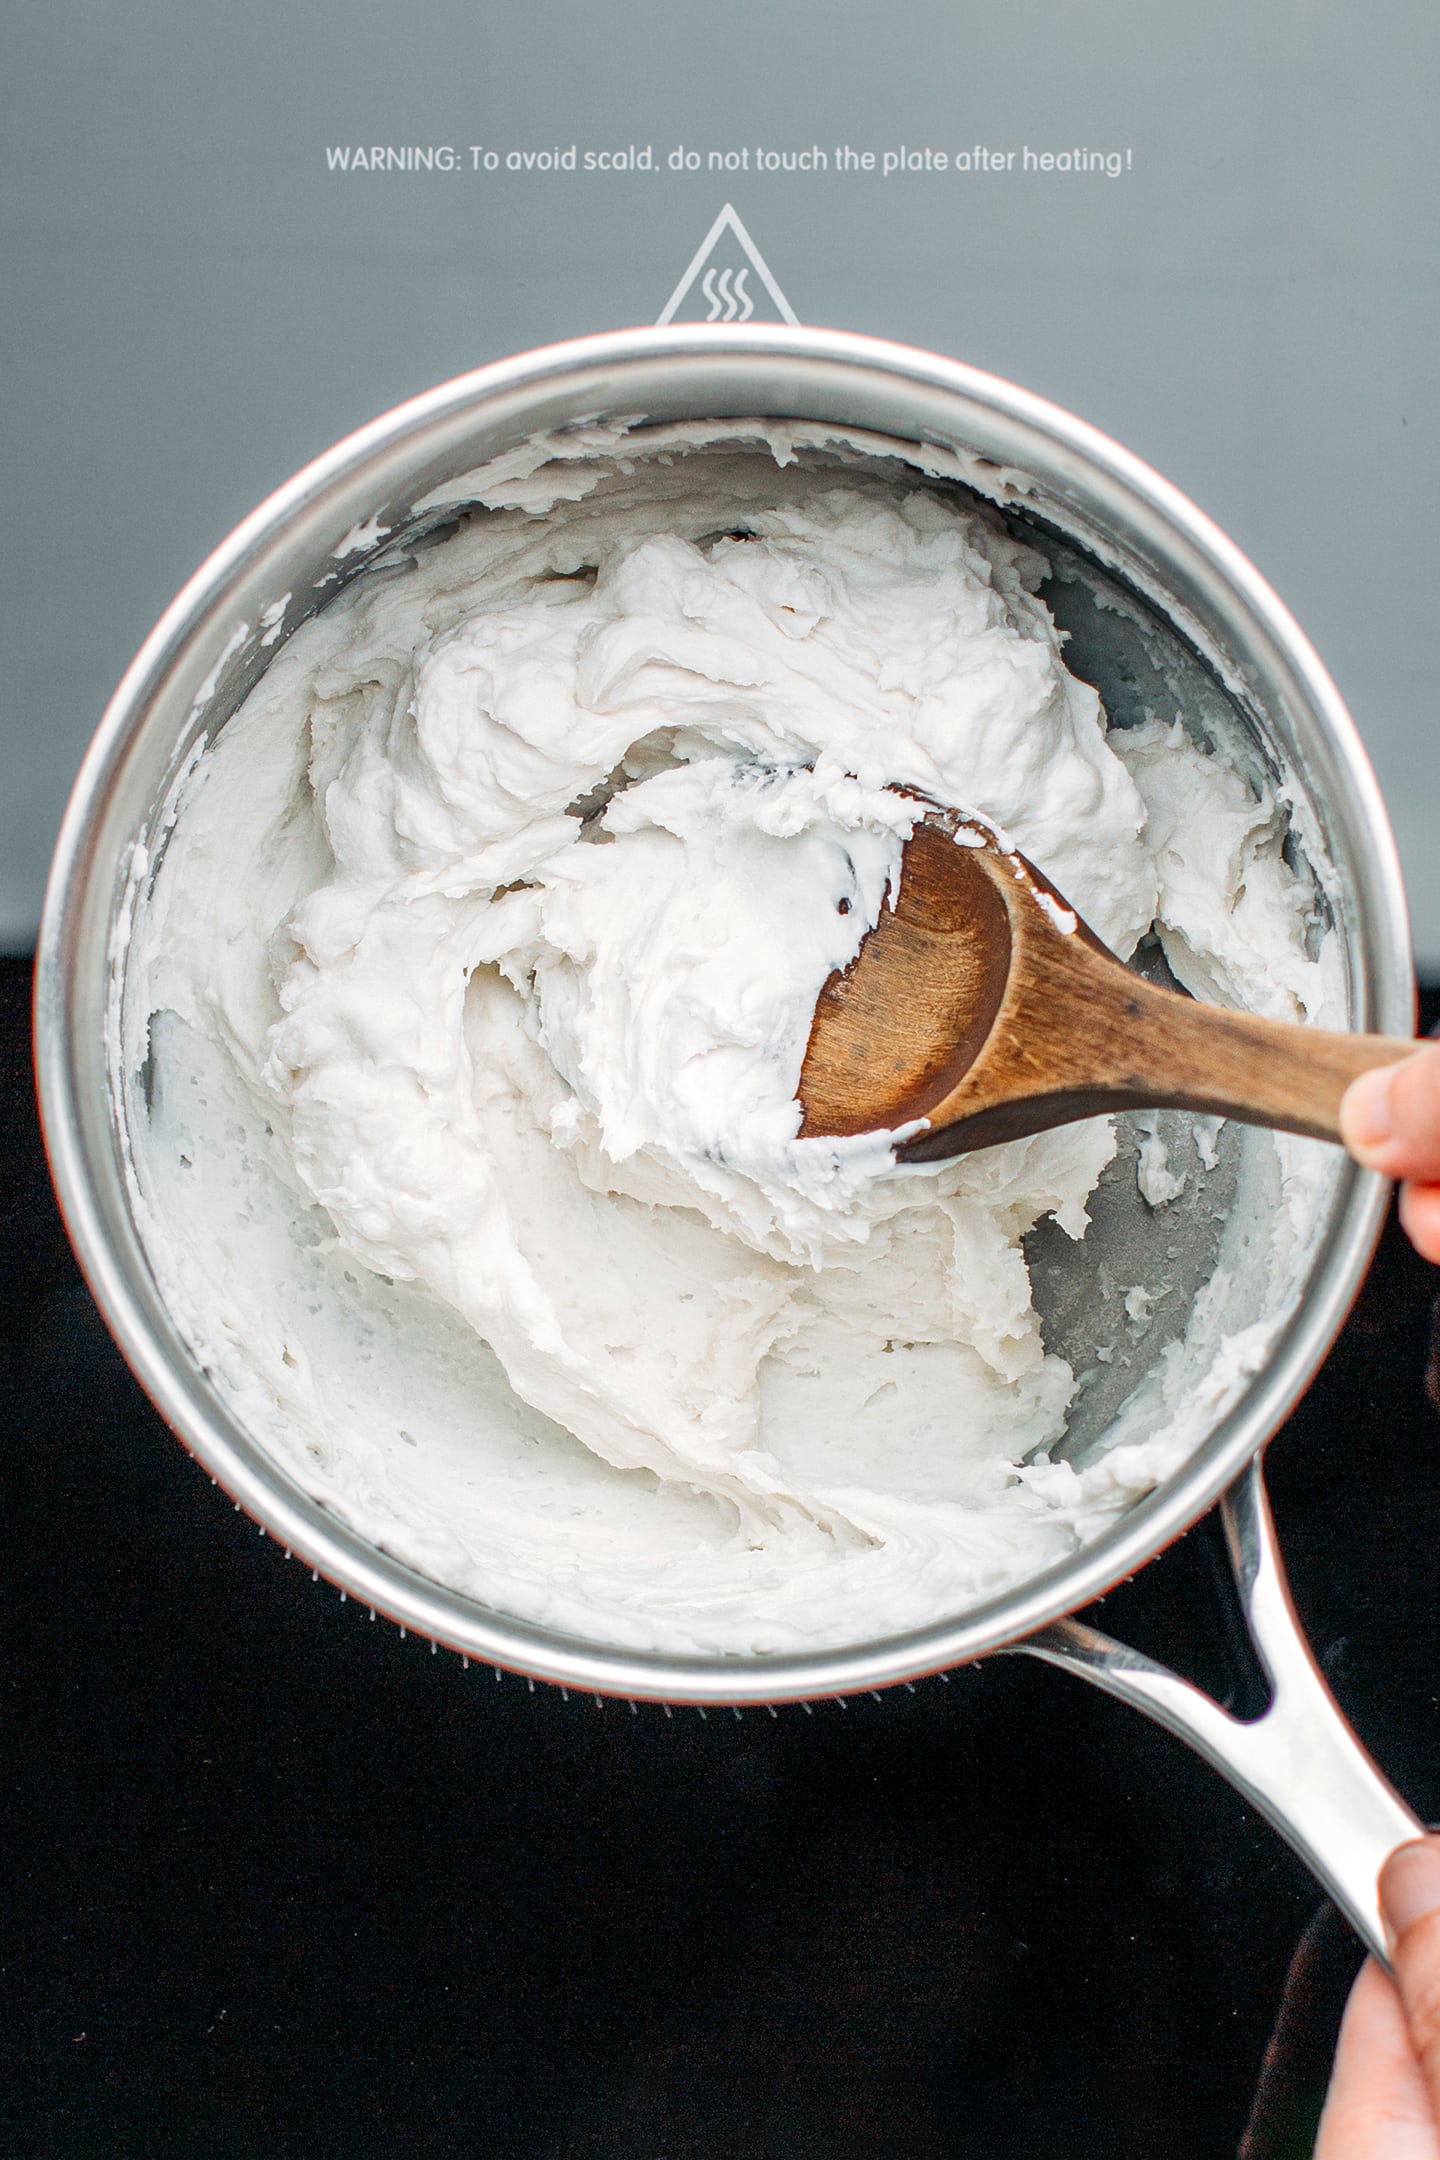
x=1164, y=614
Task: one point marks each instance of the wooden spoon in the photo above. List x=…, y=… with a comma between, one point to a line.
x=983, y=1003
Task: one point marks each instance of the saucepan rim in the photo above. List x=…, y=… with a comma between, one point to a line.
x=82, y=917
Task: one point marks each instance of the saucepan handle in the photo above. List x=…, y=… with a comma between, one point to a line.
x=1299, y=1763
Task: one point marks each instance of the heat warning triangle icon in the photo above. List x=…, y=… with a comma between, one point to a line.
x=728, y=280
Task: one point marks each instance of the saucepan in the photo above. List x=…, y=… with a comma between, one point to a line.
x=1163, y=614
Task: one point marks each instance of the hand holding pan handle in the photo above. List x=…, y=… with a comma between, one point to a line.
x=1299, y=1763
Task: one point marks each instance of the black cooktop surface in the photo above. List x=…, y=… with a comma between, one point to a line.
x=282, y=1882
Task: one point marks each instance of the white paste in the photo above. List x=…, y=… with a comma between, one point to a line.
x=472, y=993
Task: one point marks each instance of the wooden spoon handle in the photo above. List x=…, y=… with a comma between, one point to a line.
x=1190, y=1056
x=1126, y=1044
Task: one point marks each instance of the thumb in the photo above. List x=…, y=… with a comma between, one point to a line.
x=1390, y=1117
x=1410, y=1903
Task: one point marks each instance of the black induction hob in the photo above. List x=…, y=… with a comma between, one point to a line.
x=279, y=1881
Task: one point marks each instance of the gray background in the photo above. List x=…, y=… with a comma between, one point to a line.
x=194, y=305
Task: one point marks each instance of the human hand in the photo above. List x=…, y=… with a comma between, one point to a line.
x=1390, y=1120
x=1384, y=2101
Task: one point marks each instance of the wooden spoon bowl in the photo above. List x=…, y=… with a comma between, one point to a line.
x=982, y=1003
